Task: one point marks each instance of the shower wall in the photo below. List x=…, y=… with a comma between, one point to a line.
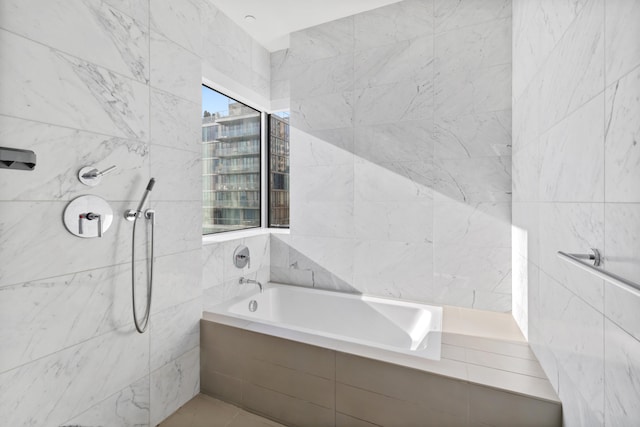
x=576, y=186
x=104, y=83
x=401, y=153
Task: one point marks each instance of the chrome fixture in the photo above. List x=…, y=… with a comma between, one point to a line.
x=91, y=176
x=134, y=215
x=242, y=281
x=253, y=305
x=88, y=216
x=621, y=282
x=241, y=257
x=17, y=159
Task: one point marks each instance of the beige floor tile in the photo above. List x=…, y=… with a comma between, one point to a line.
x=206, y=411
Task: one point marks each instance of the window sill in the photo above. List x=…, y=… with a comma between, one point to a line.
x=236, y=235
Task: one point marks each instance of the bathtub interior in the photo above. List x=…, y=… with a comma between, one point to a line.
x=387, y=324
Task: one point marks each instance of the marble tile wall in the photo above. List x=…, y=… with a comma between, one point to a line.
x=576, y=94
x=99, y=83
x=401, y=149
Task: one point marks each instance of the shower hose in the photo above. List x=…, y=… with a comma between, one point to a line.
x=142, y=326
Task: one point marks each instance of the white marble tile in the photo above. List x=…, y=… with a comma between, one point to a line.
x=525, y=231
x=622, y=33
x=280, y=63
x=259, y=256
x=260, y=60
x=493, y=301
x=231, y=289
x=61, y=152
x=526, y=169
x=48, y=315
x=577, y=409
x=483, y=90
x=520, y=291
x=550, y=20
x=177, y=279
x=575, y=336
x=33, y=231
x=175, y=69
x=478, y=224
x=321, y=148
x=225, y=45
x=279, y=247
x=178, y=174
x=322, y=77
x=572, y=228
x=395, y=142
x=622, y=240
x=175, y=122
x=93, y=31
x=571, y=166
x=394, y=102
x=385, y=182
x=174, y=331
x=329, y=260
x=473, y=179
x=178, y=227
x=525, y=44
x=477, y=46
x=138, y=10
x=622, y=144
x=128, y=407
x=390, y=24
x=621, y=307
x=46, y=85
x=452, y=15
x=178, y=21
x=394, y=269
x=331, y=111
x=478, y=269
x=326, y=40
x=396, y=221
x=622, y=376
x=174, y=384
x=322, y=184
x=409, y=60
x=526, y=113
x=45, y=392
x=574, y=72
x=280, y=89
x=476, y=135
x=324, y=219
x=212, y=265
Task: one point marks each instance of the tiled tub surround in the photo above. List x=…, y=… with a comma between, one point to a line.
x=576, y=185
x=487, y=375
x=401, y=148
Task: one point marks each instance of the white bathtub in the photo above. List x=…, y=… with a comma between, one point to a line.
x=347, y=322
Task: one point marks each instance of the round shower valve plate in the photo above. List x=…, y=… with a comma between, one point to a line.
x=88, y=216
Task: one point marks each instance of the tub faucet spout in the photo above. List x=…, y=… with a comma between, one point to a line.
x=243, y=280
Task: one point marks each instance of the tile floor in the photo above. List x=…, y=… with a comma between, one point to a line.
x=205, y=411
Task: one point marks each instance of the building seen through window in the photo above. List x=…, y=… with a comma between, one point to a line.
x=230, y=164
x=279, y=170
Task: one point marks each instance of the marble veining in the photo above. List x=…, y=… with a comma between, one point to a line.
x=178, y=21
x=397, y=22
x=396, y=142
x=128, y=407
x=175, y=122
x=174, y=331
x=109, y=38
x=46, y=391
x=95, y=99
x=477, y=135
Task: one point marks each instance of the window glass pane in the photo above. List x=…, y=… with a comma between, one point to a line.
x=279, y=170
x=230, y=164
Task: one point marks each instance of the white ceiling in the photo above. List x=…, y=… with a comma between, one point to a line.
x=276, y=19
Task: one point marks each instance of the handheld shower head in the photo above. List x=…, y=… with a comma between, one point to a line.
x=145, y=196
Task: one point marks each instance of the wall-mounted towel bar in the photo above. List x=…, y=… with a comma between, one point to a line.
x=576, y=259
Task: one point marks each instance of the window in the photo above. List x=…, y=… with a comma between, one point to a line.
x=230, y=163
x=279, y=170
